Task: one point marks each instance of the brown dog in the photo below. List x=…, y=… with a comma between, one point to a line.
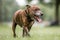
x=25, y=18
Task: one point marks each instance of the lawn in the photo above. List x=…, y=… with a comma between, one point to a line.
x=37, y=33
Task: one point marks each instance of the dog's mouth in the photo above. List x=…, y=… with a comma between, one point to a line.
x=38, y=19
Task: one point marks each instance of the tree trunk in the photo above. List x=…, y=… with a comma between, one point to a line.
x=57, y=13
x=56, y=22
x=0, y=10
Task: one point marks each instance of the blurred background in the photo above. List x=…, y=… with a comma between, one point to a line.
x=50, y=8
x=51, y=17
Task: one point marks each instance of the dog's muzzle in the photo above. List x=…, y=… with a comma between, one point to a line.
x=38, y=16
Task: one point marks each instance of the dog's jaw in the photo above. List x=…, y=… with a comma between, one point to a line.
x=38, y=19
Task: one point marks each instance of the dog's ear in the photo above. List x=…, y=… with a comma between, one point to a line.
x=28, y=6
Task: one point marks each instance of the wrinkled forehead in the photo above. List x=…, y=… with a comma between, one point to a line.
x=35, y=7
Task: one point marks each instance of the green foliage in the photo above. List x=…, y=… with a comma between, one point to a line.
x=8, y=9
x=29, y=0
x=48, y=12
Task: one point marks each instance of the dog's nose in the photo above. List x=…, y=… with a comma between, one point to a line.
x=41, y=14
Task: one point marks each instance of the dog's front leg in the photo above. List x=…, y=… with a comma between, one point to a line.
x=25, y=31
x=30, y=25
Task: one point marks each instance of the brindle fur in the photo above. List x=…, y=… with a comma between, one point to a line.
x=24, y=20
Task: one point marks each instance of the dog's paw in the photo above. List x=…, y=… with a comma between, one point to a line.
x=15, y=36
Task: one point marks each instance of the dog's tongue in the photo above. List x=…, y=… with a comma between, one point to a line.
x=38, y=19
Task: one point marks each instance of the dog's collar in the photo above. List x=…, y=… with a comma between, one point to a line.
x=27, y=13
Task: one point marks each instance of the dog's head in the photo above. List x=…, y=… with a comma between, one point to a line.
x=35, y=12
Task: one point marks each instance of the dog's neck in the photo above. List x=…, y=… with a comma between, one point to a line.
x=27, y=11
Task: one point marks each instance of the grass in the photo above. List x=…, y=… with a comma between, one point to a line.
x=37, y=33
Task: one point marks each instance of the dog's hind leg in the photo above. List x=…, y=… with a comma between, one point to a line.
x=23, y=32
x=13, y=28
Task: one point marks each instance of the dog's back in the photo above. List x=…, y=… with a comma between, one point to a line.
x=20, y=18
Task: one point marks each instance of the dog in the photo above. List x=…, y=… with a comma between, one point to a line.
x=25, y=19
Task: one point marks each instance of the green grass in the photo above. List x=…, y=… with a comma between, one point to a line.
x=37, y=33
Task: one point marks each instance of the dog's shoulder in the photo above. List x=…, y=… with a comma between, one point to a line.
x=18, y=12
